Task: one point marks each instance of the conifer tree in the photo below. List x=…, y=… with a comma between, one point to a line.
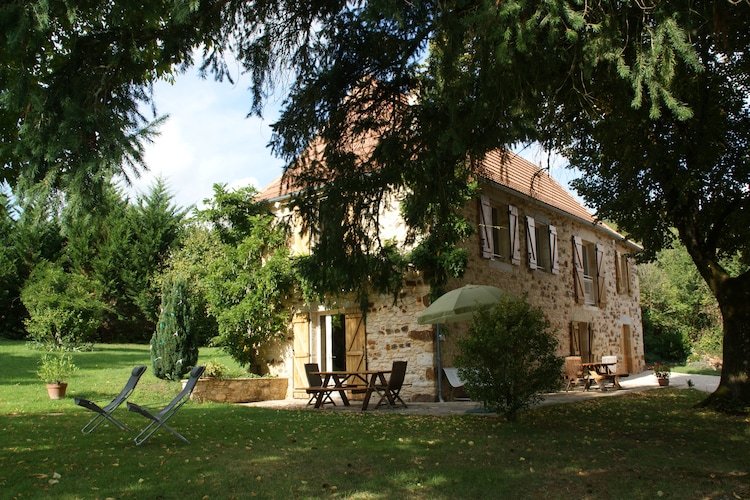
x=174, y=349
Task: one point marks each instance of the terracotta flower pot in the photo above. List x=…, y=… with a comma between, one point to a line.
x=57, y=391
x=663, y=381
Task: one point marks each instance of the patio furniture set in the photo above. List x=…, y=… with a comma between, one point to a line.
x=602, y=373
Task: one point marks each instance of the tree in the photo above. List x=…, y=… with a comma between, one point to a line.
x=647, y=98
x=11, y=321
x=73, y=75
x=65, y=309
x=248, y=275
x=124, y=245
x=174, y=350
x=680, y=314
x=509, y=358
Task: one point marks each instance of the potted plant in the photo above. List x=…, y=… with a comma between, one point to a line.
x=55, y=367
x=662, y=373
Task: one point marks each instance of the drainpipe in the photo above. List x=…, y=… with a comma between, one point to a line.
x=439, y=334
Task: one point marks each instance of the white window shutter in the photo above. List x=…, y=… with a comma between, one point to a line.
x=515, y=244
x=553, y=258
x=485, y=227
x=531, y=241
x=578, y=269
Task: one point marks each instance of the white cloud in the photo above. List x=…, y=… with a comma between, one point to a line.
x=207, y=140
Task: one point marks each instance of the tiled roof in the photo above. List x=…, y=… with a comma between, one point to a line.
x=514, y=173
x=518, y=174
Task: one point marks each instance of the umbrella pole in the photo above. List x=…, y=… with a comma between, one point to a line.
x=439, y=365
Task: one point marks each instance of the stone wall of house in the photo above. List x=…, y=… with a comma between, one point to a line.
x=393, y=333
x=555, y=293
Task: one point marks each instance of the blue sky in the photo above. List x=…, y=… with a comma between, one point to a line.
x=208, y=139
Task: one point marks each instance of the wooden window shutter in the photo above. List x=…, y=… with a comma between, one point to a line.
x=575, y=347
x=485, y=227
x=301, y=329
x=354, y=327
x=553, y=258
x=626, y=275
x=601, y=282
x=515, y=244
x=619, y=285
x=531, y=241
x=578, y=269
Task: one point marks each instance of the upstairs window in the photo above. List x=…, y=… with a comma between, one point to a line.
x=622, y=273
x=541, y=246
x=499, y=232
x=588, y=273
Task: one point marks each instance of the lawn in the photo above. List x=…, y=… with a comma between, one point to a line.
x=642, y=445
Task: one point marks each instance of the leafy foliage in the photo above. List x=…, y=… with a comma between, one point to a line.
x=74, y=77
x=245, y=275
x=648, y=99
x=124, y=245
x=65, y=309
x=680, y=315
x=174, y=350
x=509, y=357
x=55, y=366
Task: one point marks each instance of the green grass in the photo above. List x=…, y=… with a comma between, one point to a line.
x=643, y=445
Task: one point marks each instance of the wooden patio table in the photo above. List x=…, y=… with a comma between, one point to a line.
x=359, y=381
x=601, y=372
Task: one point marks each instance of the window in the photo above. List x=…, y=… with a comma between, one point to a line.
x=541, y=245
x=581, y=340
x=500, y=234
x=588, y=273
x=622, y=273
x=499, y=231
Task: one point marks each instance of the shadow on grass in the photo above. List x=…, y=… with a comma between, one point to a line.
x=634, y=446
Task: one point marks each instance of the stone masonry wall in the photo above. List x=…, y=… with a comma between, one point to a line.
x=393, y=333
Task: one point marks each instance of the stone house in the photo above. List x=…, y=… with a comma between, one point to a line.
x=532, y=237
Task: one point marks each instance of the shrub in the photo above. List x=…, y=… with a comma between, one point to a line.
x=174, y=346
x=508, y=359
x=65, y=310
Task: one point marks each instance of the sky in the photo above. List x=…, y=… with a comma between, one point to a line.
x=209, y=139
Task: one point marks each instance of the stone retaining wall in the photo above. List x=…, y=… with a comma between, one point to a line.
x=240, y=390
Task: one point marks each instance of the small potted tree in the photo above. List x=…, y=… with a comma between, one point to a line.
x=55, y=367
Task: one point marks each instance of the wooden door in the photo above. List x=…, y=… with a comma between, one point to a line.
x=301, y=329
x=627, y=349
x=356, y=359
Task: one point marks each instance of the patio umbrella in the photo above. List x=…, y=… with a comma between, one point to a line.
x=459, y=304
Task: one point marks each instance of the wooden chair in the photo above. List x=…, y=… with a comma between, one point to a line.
x=315, y=387
x=390, y=393
x=573, y=372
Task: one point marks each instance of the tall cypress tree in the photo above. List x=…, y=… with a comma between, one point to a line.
x=174, y=346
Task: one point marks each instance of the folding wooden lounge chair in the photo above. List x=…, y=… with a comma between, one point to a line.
x=105, y=413
x=390, y=393
x=160, y=419
x=315, y=386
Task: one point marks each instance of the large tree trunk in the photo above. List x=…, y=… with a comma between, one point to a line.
x=733, y=393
